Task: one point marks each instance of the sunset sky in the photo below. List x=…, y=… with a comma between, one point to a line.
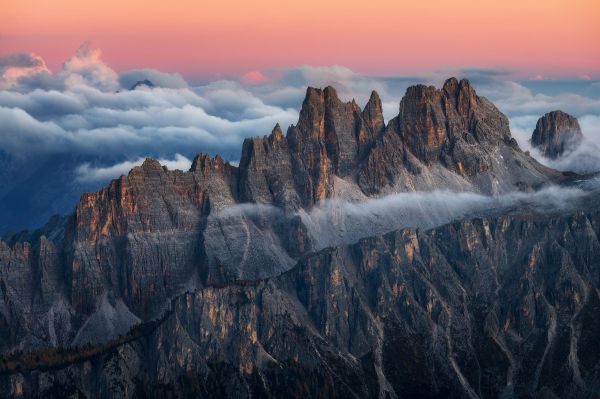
x=202, y=39
x=222, y=71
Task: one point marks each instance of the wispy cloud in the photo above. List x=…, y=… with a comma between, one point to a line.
x=88, y=173
x=335, y=222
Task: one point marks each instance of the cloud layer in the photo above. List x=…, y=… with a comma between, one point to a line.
x=339, y=222
x=87, y=108
x=335, y=222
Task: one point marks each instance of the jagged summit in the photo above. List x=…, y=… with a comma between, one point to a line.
x=556, y=133
x=447, y=138
x=202, y=162
x=442, y=138
x=151, y=164
x=222, y=264
x=373, y=113
x=142, y=83
x=277, y=133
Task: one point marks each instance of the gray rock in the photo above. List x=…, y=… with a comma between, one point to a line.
x=556, y=133
x=207, y=282
x=478, y=308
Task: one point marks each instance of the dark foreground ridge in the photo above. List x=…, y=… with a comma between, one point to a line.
x=477, y=308
x=208, y=282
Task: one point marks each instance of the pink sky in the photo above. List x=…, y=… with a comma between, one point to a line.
x=550, y=38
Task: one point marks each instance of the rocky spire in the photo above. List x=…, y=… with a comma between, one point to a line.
x=422, y=121
x=555, y=133
x=373, y=113
x=276, y=134
x=329, y=124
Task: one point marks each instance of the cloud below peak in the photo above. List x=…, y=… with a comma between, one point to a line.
x=88, y=173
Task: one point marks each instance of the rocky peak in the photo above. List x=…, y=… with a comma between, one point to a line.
x=142, y=83
x=311, y=113
x=150, y=164
x=451, y=85
x=422, y=121
x=330, y=94
x=276, y=134
x=461, y=94
x=555, y=133
x=373, y=113
x=432, y=121
x=204, y=163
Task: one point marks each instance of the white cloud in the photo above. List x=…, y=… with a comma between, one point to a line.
x=159, y=79
x=83, y=113
x=335, y=222
x=88, y=173
x=79, y=111
x=15, y=67
x=87, y=68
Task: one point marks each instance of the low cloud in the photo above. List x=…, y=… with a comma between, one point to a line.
x=334, y=222
x=159, y=79
x=337, y=222
x=88, y=173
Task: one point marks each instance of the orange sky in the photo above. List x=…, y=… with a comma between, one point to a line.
x=202, y=38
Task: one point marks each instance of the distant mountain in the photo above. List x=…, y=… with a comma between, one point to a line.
x=216, y=281
x=555, y=133
x=34, y=188
x=142, y=83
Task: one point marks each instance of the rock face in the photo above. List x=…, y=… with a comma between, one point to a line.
x=448, y=138
x=501, y=307
x=207, y=282
x=555, y=133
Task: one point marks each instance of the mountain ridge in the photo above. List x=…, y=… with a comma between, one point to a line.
x=155, y=234
x=336, y=150
x=418, y=300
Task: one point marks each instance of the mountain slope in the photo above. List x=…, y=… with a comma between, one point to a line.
x=224, y=233
x=478, y=308
x=155, y=233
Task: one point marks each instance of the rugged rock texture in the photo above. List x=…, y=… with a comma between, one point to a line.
x=449, y=138
x=555, y=133
x=155, y=233
x=502, y=307
x=217, y=270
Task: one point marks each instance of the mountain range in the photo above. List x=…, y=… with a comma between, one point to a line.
x=426, y=257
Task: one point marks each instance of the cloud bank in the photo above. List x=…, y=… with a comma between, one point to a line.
x=339, y=222
x=334, y=222
x=86, y=108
